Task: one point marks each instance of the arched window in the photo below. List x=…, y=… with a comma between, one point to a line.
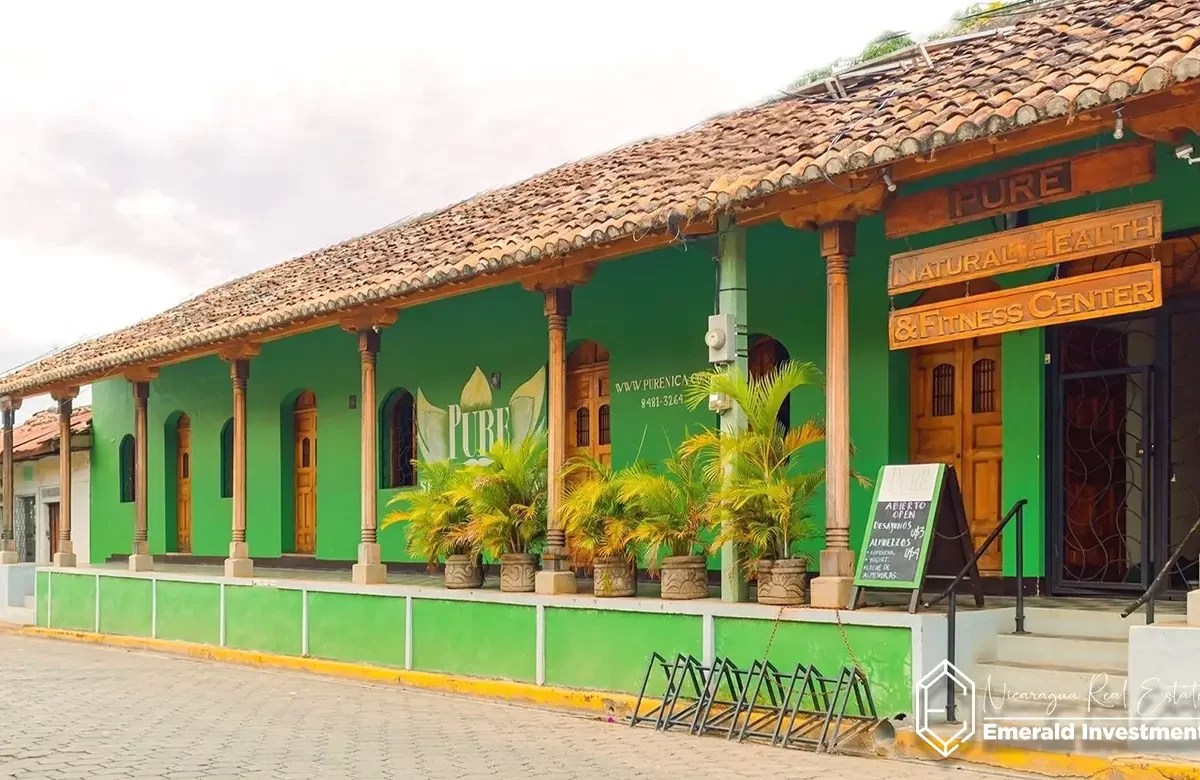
x=767, y=355
x=227, y=459
x=983, y=386
x=399, y=422
x=943, y=390
x=127, y=465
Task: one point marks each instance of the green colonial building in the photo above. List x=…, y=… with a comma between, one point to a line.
x=988, y=245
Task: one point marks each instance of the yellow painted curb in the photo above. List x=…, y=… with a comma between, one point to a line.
x=909, y=746
x=613, y=705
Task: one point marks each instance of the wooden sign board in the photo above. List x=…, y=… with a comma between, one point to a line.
x=1022, y=188
x=917, y=518
x=1059, y=241
x=1090, y=296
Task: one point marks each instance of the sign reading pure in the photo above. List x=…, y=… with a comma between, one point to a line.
x=1060, y=241
x=465, y=431
x=1101, y=294
x=1034, y=185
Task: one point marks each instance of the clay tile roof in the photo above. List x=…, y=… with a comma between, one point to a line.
x=1054, y=62
x=37, y=435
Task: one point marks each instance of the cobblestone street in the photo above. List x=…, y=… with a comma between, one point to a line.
x=81, y=711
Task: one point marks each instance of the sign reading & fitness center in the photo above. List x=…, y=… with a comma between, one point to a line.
x=1102, y=294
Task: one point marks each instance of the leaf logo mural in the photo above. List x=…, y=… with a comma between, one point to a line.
x=466, y=430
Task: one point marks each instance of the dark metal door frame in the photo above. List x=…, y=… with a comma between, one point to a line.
x=1157, y=467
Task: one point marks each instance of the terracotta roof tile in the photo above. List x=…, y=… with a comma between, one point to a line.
x=1054, y=62
x=36, y=436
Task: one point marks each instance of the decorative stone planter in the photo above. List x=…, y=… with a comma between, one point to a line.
x=613, y=578
x=782, y=582
x=516, y=572
x=685, y=577
x=463, y=571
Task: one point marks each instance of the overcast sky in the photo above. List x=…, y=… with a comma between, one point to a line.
x=148, y=153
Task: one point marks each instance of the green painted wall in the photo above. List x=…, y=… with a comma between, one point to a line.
x=125, y=606
x=608, y=651
x=73, y=601
x=41, y=579
x=351, y=627
x=649, y=311
x=474, y=638
x=260, y=618
x=884, y=654
x=189, y=611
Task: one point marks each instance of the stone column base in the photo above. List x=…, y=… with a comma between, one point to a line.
x=141, y=562
x=1193, y=608
x=239, y=567
x=368, y=574
x=831, y=592
x=554, y=583
x=369, y=570
x=64, y=560
x=7, y=557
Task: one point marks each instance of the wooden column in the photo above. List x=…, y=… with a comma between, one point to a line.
x=140, y=559
x=732, y=299
x=556, y=576
x=238, y=564
x=65, y=557
x=369, y=570
x=832, y=587
x=8, y=545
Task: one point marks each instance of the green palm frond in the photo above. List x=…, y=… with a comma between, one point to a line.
x=436, y=515
x=507, y=497
x=597, y=522
x=673, y=505
x=765, y=492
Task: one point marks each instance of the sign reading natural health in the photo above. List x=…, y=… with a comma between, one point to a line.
x=917, y=515
x=1060, y=241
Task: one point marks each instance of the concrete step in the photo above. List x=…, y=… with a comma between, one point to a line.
x=1033, y=687
x=1079, y=622
x=1084, y=653
x=20, y=615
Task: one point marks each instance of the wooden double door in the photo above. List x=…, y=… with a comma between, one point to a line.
x=589, y=414
x=956, y=419
x=305, y=470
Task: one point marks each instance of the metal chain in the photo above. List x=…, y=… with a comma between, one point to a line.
x=771, y=638
x=837, y=613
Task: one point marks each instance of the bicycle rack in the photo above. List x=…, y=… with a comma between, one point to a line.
x=804, y=708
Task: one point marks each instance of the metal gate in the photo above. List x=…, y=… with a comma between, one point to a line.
x=1125, y=444
x=25, y=528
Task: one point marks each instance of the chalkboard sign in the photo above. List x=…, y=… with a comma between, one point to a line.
x=918, y=528
x=896, y=544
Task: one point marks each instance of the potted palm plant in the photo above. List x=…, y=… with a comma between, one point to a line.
x=599, y=526
x=507, y=498
x=438, y=524
x=763, y=502
x=672, y=508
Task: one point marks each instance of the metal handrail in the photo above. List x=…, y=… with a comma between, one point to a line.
x=1018, y=510
x=1147, y=598
x=951, y=592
